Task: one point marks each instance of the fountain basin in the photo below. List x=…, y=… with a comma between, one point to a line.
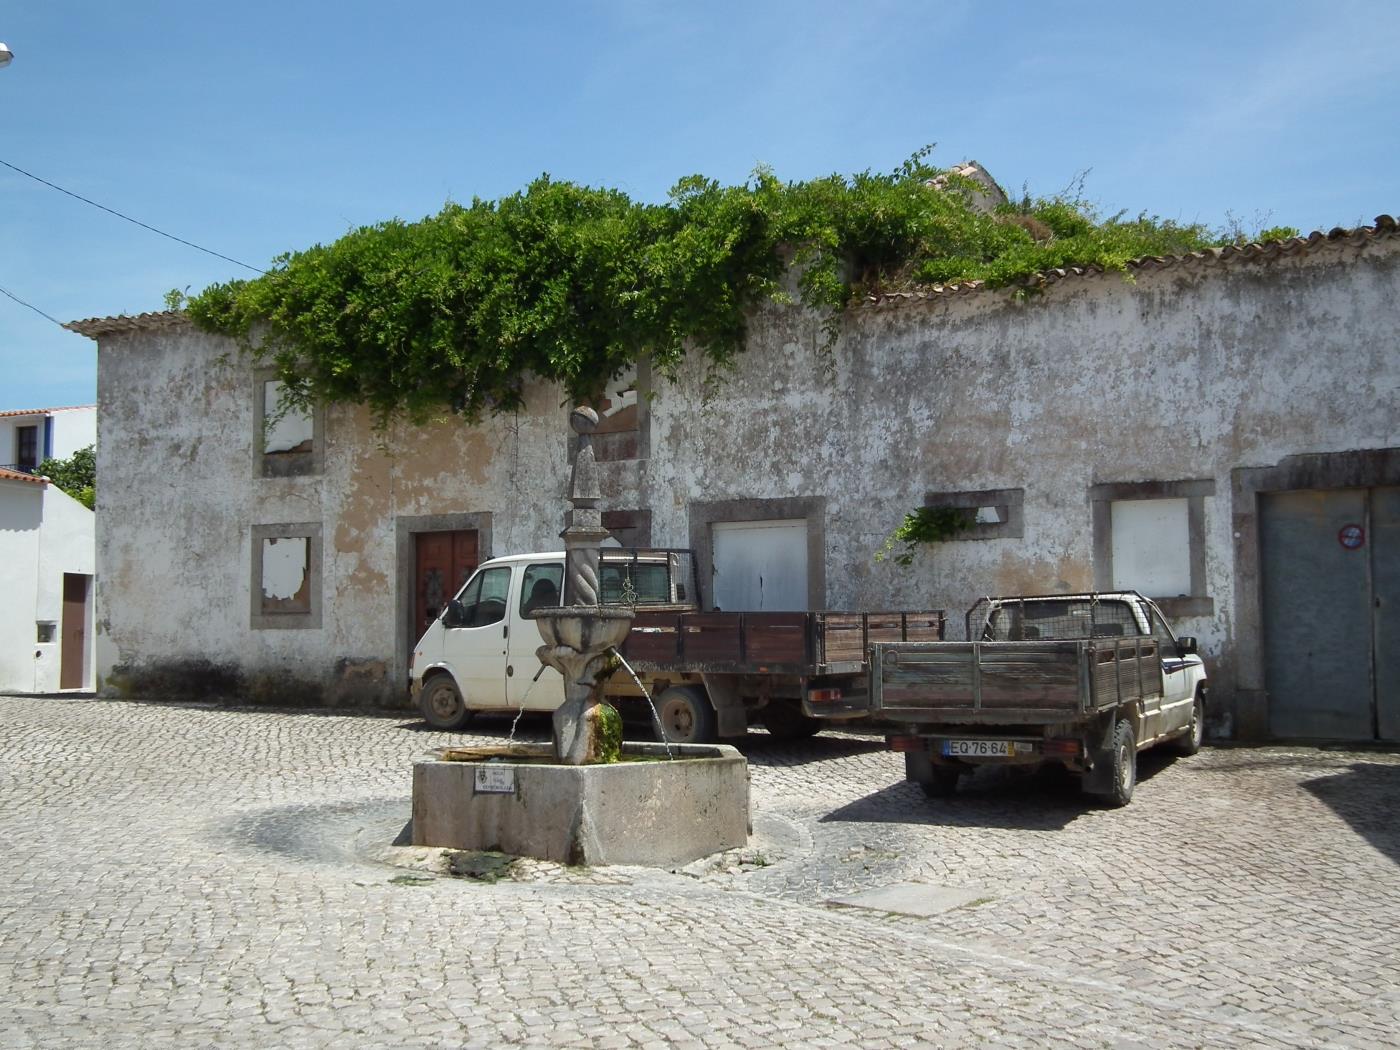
x=659, y=813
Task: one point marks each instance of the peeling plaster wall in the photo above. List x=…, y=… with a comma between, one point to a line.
x=1185, y=374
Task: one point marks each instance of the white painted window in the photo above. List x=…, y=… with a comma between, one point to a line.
x=1151, y=546
x=760, y=565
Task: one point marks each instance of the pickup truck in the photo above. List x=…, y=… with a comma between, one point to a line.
x=709, y=673
x=1084, y=680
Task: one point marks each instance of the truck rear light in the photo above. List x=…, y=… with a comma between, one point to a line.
x=906, y=743
x=823, y=696
x=1063, y=748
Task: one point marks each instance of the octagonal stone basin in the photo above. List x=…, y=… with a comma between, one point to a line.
x=651, y=810
x=586, y=628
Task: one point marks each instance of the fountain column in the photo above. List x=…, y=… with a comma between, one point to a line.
x=580, y=635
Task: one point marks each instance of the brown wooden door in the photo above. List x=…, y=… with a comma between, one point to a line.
x=73, y=644
x=442, y=563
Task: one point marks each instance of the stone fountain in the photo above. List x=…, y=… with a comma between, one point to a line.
x=578, y=803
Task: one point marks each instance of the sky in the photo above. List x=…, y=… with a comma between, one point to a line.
x=255, y=128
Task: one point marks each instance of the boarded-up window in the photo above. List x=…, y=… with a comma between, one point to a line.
x=286, y=581
x=286, y=574
x=1151, y=547
x=287, y=428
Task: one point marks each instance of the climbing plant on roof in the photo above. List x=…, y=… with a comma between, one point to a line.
x=574, y=284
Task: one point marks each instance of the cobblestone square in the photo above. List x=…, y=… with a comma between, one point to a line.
x=188, y=875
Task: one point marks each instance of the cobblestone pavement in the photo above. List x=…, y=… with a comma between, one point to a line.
x=191, y=876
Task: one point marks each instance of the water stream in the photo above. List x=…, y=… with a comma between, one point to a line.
x=655, y=714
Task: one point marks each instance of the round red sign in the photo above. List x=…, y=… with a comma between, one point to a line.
x=1351, y=536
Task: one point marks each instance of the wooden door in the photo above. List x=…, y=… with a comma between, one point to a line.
x=73, y=644
x=442, y=563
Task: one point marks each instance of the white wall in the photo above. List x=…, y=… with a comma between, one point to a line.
x=73, y=429
x=67, y=544
x=21, y=512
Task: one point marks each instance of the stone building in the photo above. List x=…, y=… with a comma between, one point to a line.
x=1220, y=431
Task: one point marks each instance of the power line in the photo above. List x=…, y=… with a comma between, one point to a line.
x=128, y=218
x=21, y=302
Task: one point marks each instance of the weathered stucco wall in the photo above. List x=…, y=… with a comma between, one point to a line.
x=1181, y=376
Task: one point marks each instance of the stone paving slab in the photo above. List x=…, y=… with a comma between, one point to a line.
x=187, y=875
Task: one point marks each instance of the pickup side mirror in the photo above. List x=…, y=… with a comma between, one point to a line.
x=455, y=615
x=1186, y=645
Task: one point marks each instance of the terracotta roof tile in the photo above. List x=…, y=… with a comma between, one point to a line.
x=1385, y=227
x=18, y=475
x=42, y=411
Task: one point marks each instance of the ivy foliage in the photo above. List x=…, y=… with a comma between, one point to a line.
x=925, y=525
x=574, y=284
x=76, y=475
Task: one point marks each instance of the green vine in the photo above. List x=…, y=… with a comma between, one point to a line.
x=574, y=284
x=925, y=525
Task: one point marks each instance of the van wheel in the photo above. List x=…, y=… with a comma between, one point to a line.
x=1123, y=761
x=687, y=716
x=441, y=703
x=785, y=720
x=1190, y=742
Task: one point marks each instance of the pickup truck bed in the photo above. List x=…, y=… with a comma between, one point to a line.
x=996, y=683
x=795, y=643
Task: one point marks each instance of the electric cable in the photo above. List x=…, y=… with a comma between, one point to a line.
x=41, y=313
x=128, y=218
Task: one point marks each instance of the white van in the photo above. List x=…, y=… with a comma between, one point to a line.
x=479, y=654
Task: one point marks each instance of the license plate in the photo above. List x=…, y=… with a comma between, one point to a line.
x=986, y=748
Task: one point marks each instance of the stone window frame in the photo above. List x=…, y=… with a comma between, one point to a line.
x=284, y=464
x=1010, y=502
x=636, y=520
x=610, y=446
x=1194, y=491
x=704, y=515
x=309, y=620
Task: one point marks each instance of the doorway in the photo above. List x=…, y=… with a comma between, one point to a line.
x=73, y=640
x=1330, y=597
x=441, y=564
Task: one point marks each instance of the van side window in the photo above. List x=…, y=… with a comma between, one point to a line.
x=541, y=588
x=484, y=599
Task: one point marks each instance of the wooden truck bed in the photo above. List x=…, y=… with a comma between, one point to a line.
x=800, y=643
x=1011, y=682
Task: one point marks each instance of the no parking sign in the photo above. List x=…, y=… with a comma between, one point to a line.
x=1351, y=537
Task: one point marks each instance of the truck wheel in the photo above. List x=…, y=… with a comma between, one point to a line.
x=442, y=704
x=785, y=720
x=1123, y=760
x=1190, y=742
x=936, y=781
x=687, y=716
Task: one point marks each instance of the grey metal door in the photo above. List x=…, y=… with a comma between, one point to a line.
x=1330, y=562
x=1384, y=545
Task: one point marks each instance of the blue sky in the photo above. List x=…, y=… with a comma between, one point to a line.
x=257, y=127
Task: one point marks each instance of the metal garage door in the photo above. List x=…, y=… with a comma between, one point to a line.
x=1331, y=593
x=760, y=565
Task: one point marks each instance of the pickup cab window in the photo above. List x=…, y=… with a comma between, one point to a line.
x=1059, y=619
x=483, y=600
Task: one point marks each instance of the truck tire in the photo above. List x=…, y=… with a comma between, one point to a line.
x=785, y=720
x=441, y=703
x=936, y=781
x=687, y=716
x=1190, y=742
x=1123, y=760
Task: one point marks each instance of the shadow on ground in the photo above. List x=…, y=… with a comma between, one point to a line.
x=1022, y=798
x=329, y=833
x=1366, y=796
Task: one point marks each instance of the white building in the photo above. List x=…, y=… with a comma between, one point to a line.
x=1222, y=432
x=47, y=548
x=30, y=436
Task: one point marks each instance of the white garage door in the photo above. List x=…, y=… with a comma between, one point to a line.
x=760, y=565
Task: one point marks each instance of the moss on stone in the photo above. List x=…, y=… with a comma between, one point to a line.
x=609, y=728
